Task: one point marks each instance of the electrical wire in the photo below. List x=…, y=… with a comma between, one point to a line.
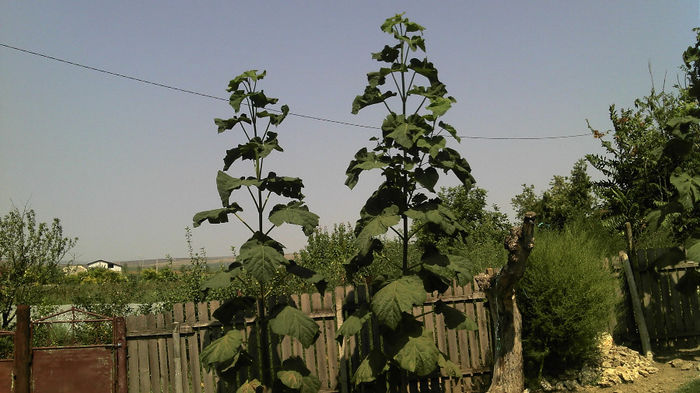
x=317, y=118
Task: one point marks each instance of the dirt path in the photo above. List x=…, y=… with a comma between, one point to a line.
x=622, y=370
x=667, y=379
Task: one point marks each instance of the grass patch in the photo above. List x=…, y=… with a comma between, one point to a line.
x=690, y=387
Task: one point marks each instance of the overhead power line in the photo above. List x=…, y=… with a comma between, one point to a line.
x=317, y=118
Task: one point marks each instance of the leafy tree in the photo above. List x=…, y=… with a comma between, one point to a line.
x=636, y=171
x=409, y=153
x=568, y=198
x=682, y=150
x=29, y=258
x=261, y=257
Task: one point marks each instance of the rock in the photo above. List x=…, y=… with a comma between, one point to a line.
x=559, y=386
x=545, y=385
x=680, y=363
x=571, y=384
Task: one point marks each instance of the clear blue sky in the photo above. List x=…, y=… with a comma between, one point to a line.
x=125, y=165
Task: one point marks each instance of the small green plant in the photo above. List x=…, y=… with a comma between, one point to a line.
x=690, y=387
x=260, y=257
x=566, y=297
x=409, y=153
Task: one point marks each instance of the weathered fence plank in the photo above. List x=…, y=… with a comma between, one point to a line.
x=153, y=368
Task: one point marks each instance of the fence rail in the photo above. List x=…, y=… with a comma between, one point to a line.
x=163, y=350
x=669, y=295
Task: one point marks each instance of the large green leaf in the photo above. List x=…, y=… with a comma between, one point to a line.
x=427, y=177
x=221, y=279
x=296, y=213
x=433, y=211
x=261, y=256
x=235, y=310
x=216, y=216
x=693, y=247
x=435, y=278
x=450, y=160
x=454, y=319
x=432, y=144
x=286, y=186
x=226, y=184
x=448, y=367
x=440, y=105
x=251, y=75
x=401, y=130
x=688, y=189
x=425, y=68
x=371, y=96
x=295, y=375
x=450, y=129
x=363, y=161
x=396, y=297
x=292, y=322
x=222, y=352
x=290, y=378
x=371, y=366
x=353, y=324
x=388, y=55
x=275, y=119
x=227, y=124
x=253, y=386
x=255, y=148
x=370, y=226
x=308, y=275
x=419, y=355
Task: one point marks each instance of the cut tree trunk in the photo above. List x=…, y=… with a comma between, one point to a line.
x=508, y=376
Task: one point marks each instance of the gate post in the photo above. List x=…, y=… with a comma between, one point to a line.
x=120, y=341
x=23, y=350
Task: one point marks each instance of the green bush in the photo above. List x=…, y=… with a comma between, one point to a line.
x=566, y=298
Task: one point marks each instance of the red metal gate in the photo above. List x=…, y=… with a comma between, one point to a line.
x=71, y=351
x=77, y=351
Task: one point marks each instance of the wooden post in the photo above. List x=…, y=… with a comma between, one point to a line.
x=176, y=353
x=636, y=306
x=120, y=342
x=23, y=350
x=634, y=295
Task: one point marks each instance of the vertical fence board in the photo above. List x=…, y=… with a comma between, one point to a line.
x=331, y=343
x=203, y=317
x=142, y=345
x=170, y=346
x=132, y=356
x=309, y=353
x=153, y=367
x=163, y=356
x=193, y=349
x=179, y=316
x=320, y=347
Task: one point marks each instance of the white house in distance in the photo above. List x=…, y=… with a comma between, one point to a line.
x=105, y=265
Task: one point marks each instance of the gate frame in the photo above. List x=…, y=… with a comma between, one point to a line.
x=23, y=350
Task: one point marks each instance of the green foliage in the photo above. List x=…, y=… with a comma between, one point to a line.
x=261, y=268
x=569, y=198
x=482, y=242
x=566, y=297
x=682, y=151
x=646, y=160
x=689, y=387
x=409, y=154
x=29, y=258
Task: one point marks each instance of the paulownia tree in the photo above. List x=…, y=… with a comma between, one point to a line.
x=409, y=153
x=683, y=150
x=251, y=363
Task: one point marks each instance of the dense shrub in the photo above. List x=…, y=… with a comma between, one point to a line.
x=566, y=297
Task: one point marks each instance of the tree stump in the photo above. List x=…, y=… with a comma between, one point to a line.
x=508, y=375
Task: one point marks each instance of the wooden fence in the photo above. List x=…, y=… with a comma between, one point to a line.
x=157, y=364
x=667, y=286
